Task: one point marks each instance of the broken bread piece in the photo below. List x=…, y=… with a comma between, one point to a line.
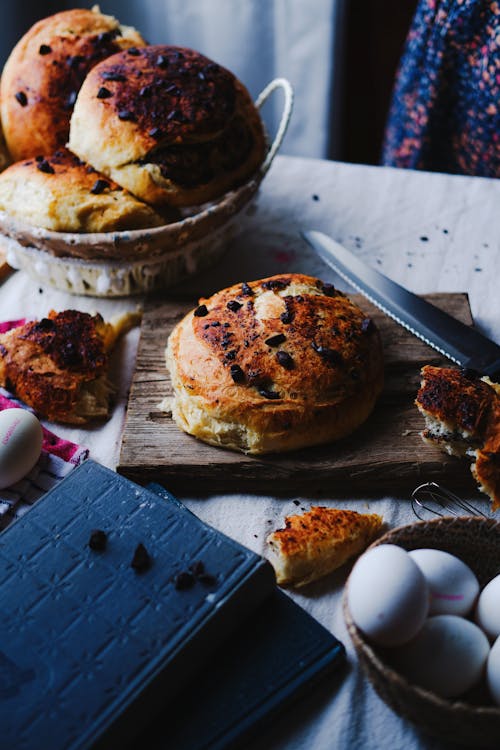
x=58, y=365
x=462, y=416
x=315, y=543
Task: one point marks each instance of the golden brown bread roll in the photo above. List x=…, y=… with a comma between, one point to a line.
x=44, y=72
x=462, y=416
x=61, y=193
x=315, y=543
x=168, y=124
x=274, y=365
x=58, y=365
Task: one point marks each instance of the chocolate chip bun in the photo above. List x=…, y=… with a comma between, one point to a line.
x=168, y=124
x=274, y=365
x=44, y=72
x=63, y=194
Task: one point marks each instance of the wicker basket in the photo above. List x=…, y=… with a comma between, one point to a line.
x=113, y=264
x=476, y=541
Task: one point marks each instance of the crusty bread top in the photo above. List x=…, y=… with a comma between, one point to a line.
x=62, y=194
x=289, y=337
x=457, y=398
x=170, y=112
x=317, y=542
x=44, y=72
x=46, y=363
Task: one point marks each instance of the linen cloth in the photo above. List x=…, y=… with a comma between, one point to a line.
x=429, y=232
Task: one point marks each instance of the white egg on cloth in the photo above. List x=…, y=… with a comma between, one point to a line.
x=21, y=439
x=453, y=587
x=388, y=596
x=487, y=613
x=447, y=657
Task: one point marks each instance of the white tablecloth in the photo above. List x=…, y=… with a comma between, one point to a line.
x=429, y=232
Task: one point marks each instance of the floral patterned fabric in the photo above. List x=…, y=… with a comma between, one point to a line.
x=445, y=111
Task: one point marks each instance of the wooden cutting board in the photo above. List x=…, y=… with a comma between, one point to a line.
x=384, y=456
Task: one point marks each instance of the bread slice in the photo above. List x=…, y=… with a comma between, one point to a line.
x=462, y=417
x=58, y=365
x=317, y=542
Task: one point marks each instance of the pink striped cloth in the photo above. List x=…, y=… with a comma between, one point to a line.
x=57, y=459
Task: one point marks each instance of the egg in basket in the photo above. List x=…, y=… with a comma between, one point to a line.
x=132, y=162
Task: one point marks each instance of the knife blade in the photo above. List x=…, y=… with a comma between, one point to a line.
x=461, y=343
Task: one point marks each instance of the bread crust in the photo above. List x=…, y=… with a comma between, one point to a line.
x=44, y=72
x=274, y=365
x=315, y=543
x=462, y=412
x=49, y=363
x=62, y=194
x=168, y=124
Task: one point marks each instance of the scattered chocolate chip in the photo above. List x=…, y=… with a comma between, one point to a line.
x=469, y=373
x=424, y=239
x=315, y=197
x=267, y=393
x=126, y=114
x=133, y=51
x=367, y=325
x=98, y=540
x=275, y=284
x=184, y=580
x=141, y=560
x=106, y=36
x=21, y=98
x=201, y=75
x=215, y=324
x=99, y=186
x=233, y=305
x=331, y=356
x=285, y=360
x=172, y=89
x=225, y=325
x=200, y=311
x=45, y=324
x=108, y=75
x=39, y=157
x=44, y=166
x=296, y=502
x=275, y=340
x=145, y=91
x=246, y=290
x=286, y=317
x=155, y=133
x=237, y=374
x=231, y=355
x=44, y=49
x=104, y=93
x=197, y=568
x=162, y=61
x=328, y=290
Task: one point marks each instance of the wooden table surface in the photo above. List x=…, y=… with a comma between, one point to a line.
x=429, y=232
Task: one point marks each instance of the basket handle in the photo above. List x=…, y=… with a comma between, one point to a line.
x=277, y=83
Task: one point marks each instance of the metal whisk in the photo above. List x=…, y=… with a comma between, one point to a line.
x=435, y=500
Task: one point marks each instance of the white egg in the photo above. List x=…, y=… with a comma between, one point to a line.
x=452, y=585
x=488, y=608
x=21, y=438
x=388, y=595
x=447, y=656
x=493, y=671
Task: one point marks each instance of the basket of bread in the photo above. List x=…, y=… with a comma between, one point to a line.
x=128, y=164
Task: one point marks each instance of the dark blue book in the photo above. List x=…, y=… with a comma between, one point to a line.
x=91, y=647
x=104, y=635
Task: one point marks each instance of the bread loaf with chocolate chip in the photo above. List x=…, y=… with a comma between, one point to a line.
x=462, y=417
x=168, y=124
x=62, y=194
x=274, y=365
x=44, y=72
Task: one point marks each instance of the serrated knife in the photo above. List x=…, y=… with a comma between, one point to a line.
x=459, y=342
